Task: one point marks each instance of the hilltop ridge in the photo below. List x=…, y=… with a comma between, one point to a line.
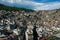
x=9, y=8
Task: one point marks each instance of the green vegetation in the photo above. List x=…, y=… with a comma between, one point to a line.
x=8, y=8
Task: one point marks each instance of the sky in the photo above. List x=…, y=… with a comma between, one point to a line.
x=33, y=4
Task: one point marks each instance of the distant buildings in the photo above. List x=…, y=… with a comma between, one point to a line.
x=20, y=22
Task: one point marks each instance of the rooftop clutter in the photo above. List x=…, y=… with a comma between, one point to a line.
x=20, y=22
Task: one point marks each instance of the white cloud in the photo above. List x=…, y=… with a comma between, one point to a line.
x=32, y=3
x=36, y=5
x=48, y=6
x=10, y=1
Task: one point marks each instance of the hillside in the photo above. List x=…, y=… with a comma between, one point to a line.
x=4, y=7
x=16, y=18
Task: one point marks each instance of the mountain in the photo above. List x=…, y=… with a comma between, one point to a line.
x=10, y=8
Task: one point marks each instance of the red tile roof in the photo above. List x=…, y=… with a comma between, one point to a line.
x=2, y=38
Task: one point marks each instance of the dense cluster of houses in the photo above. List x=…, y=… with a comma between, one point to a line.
x=20, y=25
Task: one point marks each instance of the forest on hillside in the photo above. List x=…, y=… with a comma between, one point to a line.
x=8, y=8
